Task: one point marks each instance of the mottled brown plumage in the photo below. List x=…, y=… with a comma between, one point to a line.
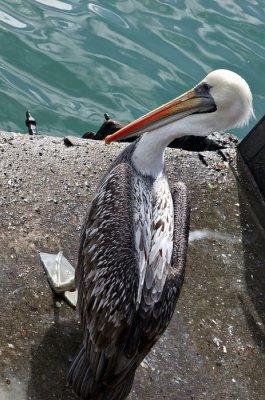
x=134, y=240
x=123, y=315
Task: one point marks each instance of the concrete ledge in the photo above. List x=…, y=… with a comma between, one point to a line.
x=214, y=347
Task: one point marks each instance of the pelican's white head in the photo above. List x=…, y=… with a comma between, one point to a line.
x=220, y=101
x=232, y=97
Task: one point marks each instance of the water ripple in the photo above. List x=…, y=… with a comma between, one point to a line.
x=60, y=5
x=108, y=15
x=70, y=61
x=9, y=20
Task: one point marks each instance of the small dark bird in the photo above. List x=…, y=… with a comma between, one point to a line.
x=107, y=128
x=134, y=239
x=31, y=124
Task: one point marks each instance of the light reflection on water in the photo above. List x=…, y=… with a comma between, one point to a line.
x=108, y=15
x=60, y=5
x=71, y=61
x=7, y=19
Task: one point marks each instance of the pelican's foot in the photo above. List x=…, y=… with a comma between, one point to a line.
x=61, y=275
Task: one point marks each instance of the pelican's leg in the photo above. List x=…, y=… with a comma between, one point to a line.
x=61, y=275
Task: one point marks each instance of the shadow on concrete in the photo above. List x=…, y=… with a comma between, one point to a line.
x=252, y=214
x=217, y=141
x=50, y=361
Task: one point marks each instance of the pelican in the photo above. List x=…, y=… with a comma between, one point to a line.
x=134, y=239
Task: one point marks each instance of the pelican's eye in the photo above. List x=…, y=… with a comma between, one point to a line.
x=203, y=89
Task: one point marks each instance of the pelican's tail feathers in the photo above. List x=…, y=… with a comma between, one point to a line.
x=82, y=381
x=121, y=391
x=80, y=377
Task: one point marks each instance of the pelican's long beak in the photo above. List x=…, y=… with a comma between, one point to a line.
x=188, y=103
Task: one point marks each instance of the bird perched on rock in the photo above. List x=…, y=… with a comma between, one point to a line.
x=134, y=239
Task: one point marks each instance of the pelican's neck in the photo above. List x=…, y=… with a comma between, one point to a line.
x=148, y=156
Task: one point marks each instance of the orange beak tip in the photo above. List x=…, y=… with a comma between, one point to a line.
x=107, y=140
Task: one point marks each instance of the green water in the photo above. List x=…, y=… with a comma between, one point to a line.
x=71, y=61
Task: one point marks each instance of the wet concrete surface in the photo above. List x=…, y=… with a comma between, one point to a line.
x=214, y=347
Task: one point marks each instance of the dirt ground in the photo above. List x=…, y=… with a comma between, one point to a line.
x=214, y=347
